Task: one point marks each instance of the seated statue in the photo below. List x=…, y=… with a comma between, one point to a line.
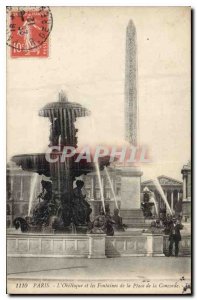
x=41, y=213
x=156, y=227
x=103, y=223
x=98, y=225
x=21, y=223
x=43, y=210
x=146, y=205
x=55, y=132
x=118, y=226
x=80, y=207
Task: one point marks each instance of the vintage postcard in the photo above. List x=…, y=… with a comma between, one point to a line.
x=98, y=150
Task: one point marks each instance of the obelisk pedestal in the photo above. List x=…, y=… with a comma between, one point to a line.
x=130, y=209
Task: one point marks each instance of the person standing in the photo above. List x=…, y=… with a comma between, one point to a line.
x=175, y=236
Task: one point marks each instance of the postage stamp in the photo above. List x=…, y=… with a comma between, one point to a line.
x=28, y=30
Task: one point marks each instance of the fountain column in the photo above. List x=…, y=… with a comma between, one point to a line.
x=62, y=116
x=62, y=188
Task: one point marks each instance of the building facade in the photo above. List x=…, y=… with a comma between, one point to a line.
x=18, y=192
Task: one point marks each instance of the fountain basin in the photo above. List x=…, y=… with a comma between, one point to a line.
x=37, y=163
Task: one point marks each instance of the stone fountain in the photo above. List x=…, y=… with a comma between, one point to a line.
x=63, y=210
x=57, y=209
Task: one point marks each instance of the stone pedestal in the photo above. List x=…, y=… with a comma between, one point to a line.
x=154, y=244
x=96, y=246
x=130, y=211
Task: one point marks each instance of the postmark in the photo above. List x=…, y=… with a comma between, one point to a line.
x=28, y=30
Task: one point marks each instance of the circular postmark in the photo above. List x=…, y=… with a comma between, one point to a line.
x=28, y=27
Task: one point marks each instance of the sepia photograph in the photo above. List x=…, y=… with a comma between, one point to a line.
x=98, y=169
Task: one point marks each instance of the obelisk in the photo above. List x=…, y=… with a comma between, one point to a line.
x=130, y=211
x=131, y=114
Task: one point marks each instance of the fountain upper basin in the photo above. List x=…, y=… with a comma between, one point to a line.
x=37, y=163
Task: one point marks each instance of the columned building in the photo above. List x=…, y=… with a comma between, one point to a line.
x=18, y=192
x=173, y=190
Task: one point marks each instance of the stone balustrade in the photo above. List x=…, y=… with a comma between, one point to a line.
x=91, y=245
x=141, y=245
x=31, y=245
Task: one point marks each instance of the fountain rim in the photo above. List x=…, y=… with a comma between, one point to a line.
x=62, y=105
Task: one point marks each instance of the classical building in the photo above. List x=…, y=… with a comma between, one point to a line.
x=18, y=192
x=173, y=190
x=186, y=173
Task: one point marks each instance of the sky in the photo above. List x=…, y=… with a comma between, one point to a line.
x=87, y=61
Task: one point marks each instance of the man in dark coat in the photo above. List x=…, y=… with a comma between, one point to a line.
x=175, y=236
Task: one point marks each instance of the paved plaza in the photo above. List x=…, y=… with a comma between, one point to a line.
x=110, y=268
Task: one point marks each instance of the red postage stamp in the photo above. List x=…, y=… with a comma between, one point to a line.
x=28, y=30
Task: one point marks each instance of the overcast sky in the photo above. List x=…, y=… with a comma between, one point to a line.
x=87, y=60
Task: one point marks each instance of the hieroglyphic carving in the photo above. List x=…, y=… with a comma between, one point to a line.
x=131, y=85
